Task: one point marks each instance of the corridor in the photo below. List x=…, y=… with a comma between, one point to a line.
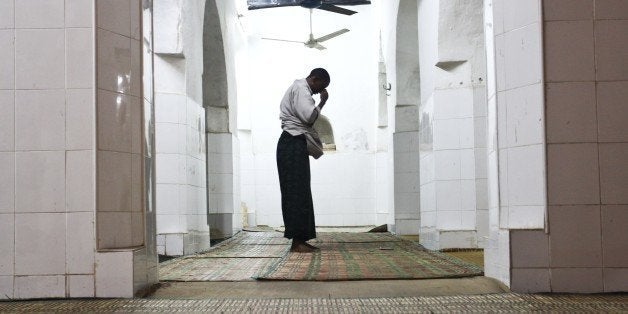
x=353, y=273
x=132, y=130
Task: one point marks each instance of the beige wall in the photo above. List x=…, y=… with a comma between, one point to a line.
x=126, y=260
x=47, y=148
x=59, y=126
x=119, y=118
x=586, y=87
x=516, y=140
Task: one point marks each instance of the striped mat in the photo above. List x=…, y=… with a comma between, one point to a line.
x=369, y=260
x=343, y=256
x=215, y=269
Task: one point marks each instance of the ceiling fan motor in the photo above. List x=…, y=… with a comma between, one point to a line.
x=311, y=4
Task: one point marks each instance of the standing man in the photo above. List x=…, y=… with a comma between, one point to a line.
x=298, y=114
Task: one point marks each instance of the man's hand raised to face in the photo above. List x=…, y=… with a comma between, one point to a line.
x=324, y=96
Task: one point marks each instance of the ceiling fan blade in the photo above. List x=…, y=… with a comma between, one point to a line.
x=286, y=40
x=264, y=4
x=319, y=46
x=332, y=35
x=336, y=9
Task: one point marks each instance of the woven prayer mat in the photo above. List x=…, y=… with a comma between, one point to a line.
x=260, y=238
x=369, y=260
x=276, y=238
x=245, y=250
x=228, y=261
x=349, y=237
x=258, y=229
x=215, y=269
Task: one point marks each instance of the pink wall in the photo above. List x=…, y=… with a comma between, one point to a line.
x=46, y=149
x=586, y=87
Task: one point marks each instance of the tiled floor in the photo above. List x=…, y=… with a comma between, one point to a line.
x=509, y=303
x=328, y=289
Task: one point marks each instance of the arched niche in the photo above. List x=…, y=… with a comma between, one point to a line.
x=220, y=141
x=325, y=132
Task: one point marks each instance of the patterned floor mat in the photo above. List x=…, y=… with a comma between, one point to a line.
x=246, y=250
x=343, y=256
x=348, y=237
x=373, y=260
x=260, y=238
x=215, y=269
x=231, y=260
x=275, y=238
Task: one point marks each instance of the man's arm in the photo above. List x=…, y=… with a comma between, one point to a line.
x=304, y=107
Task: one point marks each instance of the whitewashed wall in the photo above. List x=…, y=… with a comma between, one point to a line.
x=343, y=182
x=180, y=128
x=453, y=127
x=222, y=120
x=516, y=133
x=388, y=11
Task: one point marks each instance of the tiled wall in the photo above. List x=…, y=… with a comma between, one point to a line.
x=406, y=180
x=343, y=189
x=428, y=51
x=497, y=248
x=180, y=128
x=126, y=261
x=222, y=64
x=343, y=185
x=181, y=172
x=46, y=149
x=49, y=146
x=120, y=219
x=452, y=125
x=223, y=164
x=585, y=49
x=520, y=118
x=406, y=134
x=516, y=137
x=384, y=203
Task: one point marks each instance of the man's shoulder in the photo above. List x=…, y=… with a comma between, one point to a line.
x=301, y=84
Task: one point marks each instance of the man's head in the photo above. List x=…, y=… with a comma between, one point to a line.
x=318, y=80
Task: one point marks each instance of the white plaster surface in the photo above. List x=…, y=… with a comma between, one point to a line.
x=168, y=19
x=180, y=125
x=452, y=132
x=114, y=274
x=344, y=182
x=29, y=287
x=515, y=120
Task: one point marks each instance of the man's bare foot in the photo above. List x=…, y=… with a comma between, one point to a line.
x=300, y=246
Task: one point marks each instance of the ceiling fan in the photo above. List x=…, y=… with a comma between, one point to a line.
x=313, y=42
x=327, y=5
